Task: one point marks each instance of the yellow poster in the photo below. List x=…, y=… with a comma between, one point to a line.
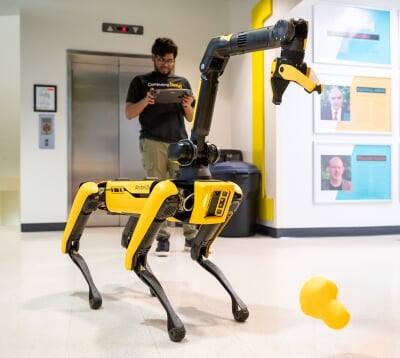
x=369, y=106
x=353, y=104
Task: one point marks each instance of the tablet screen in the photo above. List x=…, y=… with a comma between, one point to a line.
x=170, y=95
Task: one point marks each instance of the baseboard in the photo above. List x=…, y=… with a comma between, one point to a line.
x=268, y=231
x=43, y=227
x=328, y=231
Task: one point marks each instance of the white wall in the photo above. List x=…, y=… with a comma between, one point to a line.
x=49, y=29
x=273, y=165
x=293, y=180
x=9, y=94
x=9, y=118
x=238, y=73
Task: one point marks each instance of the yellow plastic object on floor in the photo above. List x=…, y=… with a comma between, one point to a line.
x=318, y=300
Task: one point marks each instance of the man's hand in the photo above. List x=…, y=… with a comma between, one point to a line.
x=132, y=110
x=149, y=98
x=187, y=101
x=187, y=107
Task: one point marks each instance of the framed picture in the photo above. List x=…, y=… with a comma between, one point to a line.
x=353, y=104
x=351, y=172
x=45, y=98
x=346, y=34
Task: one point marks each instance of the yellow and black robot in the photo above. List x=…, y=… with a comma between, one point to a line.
x=192, y=196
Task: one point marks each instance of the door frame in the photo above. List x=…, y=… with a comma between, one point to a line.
x=70, y=57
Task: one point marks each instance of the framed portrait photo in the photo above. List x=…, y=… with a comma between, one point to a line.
x=351, y=172
x=353, y=104
x=44, y=98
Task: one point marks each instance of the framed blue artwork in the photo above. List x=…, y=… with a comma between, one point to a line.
x=351, y=172
x=345, y=34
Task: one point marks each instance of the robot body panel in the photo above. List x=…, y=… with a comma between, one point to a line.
x=127, y=197
x=213, y=200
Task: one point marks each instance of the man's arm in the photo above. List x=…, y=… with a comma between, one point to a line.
x=132, y=110
x=187, y=107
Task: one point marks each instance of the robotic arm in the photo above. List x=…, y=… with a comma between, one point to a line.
x=192, y=196
x=290, y=35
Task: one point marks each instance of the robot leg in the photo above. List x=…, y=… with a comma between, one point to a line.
x=200, y=251
x=128, y=230
x=87, y=200
x=162, y=203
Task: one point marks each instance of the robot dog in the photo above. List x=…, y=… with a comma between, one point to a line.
x=192, y=196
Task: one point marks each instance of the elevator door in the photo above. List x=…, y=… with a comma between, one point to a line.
x=103, y=143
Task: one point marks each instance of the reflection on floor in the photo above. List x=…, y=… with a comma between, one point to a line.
x=44, y=306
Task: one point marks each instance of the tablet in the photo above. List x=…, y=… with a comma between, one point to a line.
x=170, y=95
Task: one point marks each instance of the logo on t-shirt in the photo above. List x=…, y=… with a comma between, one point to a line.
x=165, y=85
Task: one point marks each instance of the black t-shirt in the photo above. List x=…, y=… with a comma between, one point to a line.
x=326, y=185
x=161, y=121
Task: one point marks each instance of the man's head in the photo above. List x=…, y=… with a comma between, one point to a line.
x=336, y=98
x=335, y=169
x=163, y=54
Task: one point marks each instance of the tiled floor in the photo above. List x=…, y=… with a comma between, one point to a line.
x=44, y=310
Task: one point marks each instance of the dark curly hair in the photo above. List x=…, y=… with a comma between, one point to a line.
x=164, y=45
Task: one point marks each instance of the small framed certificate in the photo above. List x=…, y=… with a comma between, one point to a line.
x=45, y=98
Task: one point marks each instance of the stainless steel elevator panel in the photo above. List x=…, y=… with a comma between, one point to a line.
x=130, y=159
x=103, y=143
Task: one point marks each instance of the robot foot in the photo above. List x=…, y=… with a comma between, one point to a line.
x=239, y=309
x=176, y=329
x=95, y=299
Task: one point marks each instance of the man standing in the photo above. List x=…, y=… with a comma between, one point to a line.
x=161, y=123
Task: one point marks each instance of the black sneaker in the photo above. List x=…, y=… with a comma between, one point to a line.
x=162, y=249
x=188, y=244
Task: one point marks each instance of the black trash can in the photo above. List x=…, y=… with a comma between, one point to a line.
x=247, y=176
x=230, y=154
